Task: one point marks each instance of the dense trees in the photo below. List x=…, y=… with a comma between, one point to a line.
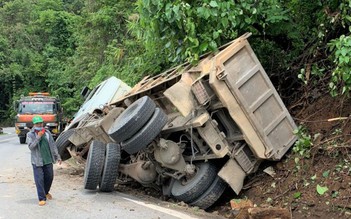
x=60, y=46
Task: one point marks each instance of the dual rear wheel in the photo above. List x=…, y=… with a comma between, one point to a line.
x=202, y=189
x=101, y=167
x=138, y=125
x=132, y=131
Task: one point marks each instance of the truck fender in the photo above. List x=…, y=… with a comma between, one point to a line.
x=233, y=174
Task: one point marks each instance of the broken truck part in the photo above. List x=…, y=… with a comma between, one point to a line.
x=193, y=130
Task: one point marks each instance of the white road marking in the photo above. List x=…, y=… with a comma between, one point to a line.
x=161, y=209
x=8, y=139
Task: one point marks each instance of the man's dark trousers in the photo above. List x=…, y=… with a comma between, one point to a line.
x=43, y=177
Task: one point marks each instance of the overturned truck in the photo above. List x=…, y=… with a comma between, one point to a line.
x=189, y=132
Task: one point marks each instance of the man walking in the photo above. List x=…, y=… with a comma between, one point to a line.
x=43, y=155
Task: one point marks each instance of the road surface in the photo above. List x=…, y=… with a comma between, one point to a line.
x=18, y=197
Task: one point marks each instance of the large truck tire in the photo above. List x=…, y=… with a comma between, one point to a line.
x=22, y=140
x=148, y=133
x=109, y=174
x=62, y=143
x=211, y=195
x=132, y=119
x=94, y=165
x=190, y=190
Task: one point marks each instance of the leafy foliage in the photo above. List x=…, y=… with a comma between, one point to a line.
x=183, y=30
x=342, y=73
x=304, y=143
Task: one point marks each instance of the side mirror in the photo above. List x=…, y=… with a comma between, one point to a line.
x=85, y=92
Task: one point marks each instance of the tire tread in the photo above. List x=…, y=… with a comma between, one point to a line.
x=132, y=119
x=148, y=133
x=94, y=165
x=62, y=143
x=109, y=174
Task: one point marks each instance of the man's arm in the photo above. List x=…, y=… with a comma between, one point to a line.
x=33, y=140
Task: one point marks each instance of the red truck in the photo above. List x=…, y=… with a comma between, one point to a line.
x=42, y=104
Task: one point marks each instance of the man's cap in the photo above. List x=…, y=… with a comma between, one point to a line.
x=37, y=119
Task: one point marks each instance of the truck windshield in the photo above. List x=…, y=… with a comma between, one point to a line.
x=36, y=108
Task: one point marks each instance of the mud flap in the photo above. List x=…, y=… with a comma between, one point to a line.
x=233, y=174
x=180, y=95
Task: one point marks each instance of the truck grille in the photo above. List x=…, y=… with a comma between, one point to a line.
x=200, y=93
x=242, y=156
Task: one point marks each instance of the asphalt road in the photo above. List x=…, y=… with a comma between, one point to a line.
x=18, y=197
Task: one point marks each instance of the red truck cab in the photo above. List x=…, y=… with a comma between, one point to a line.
x=42, y=104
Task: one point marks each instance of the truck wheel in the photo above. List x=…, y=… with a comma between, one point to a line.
x=211, y=195
x=22, y=139
x=193, y=188
x=62, y=143
x=148, y=133
x=94, y=165
x=132, y=119
x=109, y=174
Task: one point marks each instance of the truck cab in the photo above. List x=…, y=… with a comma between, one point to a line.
x=42, y=104
x=98, y=97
